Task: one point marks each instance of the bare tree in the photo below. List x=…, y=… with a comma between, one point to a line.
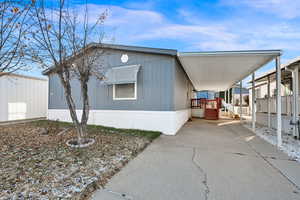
x=61, y=38
x=13, y=23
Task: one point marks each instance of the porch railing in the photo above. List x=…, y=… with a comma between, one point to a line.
x=206, y=103
x=198, y=103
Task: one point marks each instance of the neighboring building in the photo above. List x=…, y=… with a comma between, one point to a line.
x=236, y=96
x=22, y=97
x=261, y=88
x=205, y=94
x=233, y=98
x=261, y=94
x=145, y=88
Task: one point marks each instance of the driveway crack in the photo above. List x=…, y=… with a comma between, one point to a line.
x=275, y=168
x=207, y=190
x=121, y=195
x=265, y=158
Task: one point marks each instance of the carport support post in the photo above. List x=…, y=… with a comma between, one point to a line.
x=241, y=101
x=231, y=95
x=278, y=100
x=295, y=99
x=225, y=100
x=228, y=99
x=253, y=102
x=269, y=103
x=228, y=95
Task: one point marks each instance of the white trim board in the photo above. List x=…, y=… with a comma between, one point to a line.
x=168, y=122
x=198, y=112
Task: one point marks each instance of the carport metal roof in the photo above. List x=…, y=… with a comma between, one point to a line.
x=219, y=70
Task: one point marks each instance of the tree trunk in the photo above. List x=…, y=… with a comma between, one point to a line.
x=85, y=103
x=71, y=105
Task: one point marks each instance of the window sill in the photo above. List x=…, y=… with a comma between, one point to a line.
x=121, y=99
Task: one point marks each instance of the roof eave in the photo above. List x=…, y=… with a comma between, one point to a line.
x=161, y=51
x=274, y=53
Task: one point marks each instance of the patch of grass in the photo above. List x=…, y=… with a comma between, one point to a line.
x=44, y=123
x=151, y=135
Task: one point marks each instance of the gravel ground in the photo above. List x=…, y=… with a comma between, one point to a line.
x=289, y=145
x=35, y=162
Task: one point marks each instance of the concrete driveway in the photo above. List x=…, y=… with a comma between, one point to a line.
x=207, y=160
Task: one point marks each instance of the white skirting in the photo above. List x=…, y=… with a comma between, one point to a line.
x=198, y=112
x=168, y=122
x=262, y=118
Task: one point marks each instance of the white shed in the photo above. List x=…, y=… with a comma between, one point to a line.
x=22, y=97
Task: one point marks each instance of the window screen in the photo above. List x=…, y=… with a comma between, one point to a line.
x=124, y=91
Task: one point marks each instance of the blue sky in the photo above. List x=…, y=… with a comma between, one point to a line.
x=204, y=25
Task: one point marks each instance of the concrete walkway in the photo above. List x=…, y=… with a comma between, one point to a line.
x=207, y=160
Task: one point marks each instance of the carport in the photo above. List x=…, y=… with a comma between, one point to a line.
x=220, y=70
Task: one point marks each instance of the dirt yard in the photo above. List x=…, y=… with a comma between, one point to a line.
x=35, y=162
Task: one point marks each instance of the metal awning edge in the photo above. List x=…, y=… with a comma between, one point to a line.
x=276, y=52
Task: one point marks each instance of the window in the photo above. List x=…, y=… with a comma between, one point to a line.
x=126, y=91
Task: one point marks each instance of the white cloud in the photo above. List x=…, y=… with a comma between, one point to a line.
x=131, y=26
x=249, y=33
x=146, y=5
x=187, y=32
x=120, y=16
x=287, y=9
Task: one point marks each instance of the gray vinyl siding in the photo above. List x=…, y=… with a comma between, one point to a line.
x=154, y=85
x=182, y=87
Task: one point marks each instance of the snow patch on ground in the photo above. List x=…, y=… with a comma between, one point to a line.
x=289, y=145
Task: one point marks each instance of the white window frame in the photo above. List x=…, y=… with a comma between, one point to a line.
x=132, y=98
